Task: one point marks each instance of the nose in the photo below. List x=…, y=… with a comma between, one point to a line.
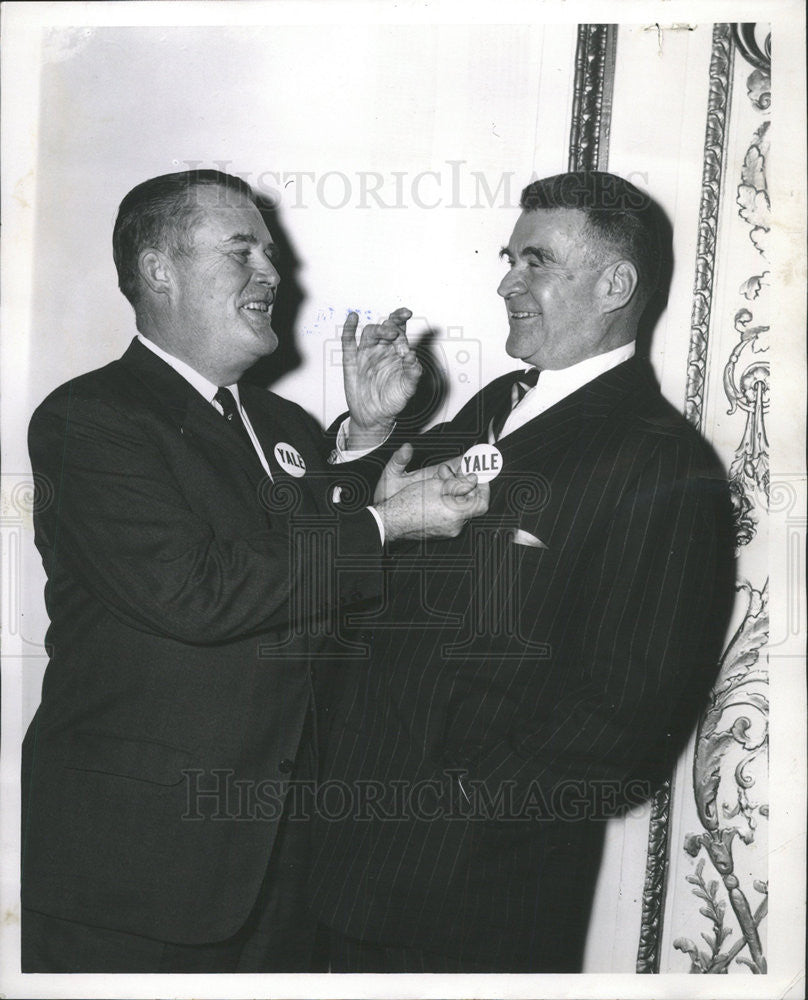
x=511, y=284
x=266, y=272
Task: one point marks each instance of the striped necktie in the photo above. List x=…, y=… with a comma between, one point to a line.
x=522, y=382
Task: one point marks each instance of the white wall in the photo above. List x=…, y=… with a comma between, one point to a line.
x=344, y=109
x=446, y=123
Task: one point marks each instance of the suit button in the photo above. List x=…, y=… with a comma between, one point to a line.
x=286, y=765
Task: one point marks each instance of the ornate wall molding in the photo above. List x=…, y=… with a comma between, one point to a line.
x=714, y=151
x=746, y=373
x=733, y=734
x=653, y=892
x=730, y=763
x=718, y=108
x=724, y=41
x=592, y=97
x=730, y=751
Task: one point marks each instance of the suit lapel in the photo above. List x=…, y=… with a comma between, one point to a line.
x=558, y=425
x=549, y=431
x=534, y=454
x=271, y=429
x=204, y=419
x=188, y=409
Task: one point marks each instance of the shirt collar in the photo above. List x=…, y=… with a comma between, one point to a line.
x=202, y=385
x=566, y=380
x=556, y=384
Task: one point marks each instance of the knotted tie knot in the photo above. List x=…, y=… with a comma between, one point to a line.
x=522, y=383
x=225, y=398
x=525, y=381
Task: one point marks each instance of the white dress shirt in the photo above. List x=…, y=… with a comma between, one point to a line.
x=208, y=390
x=342, y=453
x=556, y=384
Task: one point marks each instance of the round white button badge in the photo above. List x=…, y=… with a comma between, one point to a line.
x=484, y=460
x=290, y=459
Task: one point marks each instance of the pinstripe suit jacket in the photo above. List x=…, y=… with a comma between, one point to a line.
x=513, y=696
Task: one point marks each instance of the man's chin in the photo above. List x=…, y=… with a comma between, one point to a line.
x=264, y=333
x=514, y=349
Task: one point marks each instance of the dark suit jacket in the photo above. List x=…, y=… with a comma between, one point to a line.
x=515, y=696
x=188, y=599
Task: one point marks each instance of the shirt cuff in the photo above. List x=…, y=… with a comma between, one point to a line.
x=342, y=453
x=377, y=518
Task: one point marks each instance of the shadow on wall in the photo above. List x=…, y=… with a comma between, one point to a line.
x=658, y=302
x=430, y=395
x=285, y=358
x=432, y=387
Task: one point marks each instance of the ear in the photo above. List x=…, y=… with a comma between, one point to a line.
x=619, y=285
x=155, y=271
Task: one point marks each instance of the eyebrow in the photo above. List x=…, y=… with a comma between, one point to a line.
x=243, y=238
x=543, y=255
x=252, y=240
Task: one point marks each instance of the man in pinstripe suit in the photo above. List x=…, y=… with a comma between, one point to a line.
x=532, y=677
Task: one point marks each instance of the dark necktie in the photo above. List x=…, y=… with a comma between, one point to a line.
x=224, y=397
x=522, y=382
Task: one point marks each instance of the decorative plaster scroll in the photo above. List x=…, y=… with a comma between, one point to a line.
x=753, y=193
x=732, y=735
x=731, y=747
x=714, y=150
x=592, y=97
x=754, y=42
x=749, y=471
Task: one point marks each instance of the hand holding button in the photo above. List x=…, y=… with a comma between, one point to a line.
x=435, y=502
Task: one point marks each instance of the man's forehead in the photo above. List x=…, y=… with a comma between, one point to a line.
x=552, y=227
x=221, y=214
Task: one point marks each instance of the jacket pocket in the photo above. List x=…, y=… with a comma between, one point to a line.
x=141, y=760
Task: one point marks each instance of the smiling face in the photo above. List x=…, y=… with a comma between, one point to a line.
x=553, y=291
x=223, y=288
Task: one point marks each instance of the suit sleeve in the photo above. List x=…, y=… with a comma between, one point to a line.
x=122, y=525
x=648, y=603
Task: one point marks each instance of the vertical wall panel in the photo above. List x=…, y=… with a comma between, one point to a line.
x=705, y=157
x=717, y=896
x=656, y=140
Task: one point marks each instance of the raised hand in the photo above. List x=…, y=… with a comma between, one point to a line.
x=380, y=376
x=435, y=502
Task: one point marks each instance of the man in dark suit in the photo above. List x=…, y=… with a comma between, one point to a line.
x=535, y=675
x=191, y=593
